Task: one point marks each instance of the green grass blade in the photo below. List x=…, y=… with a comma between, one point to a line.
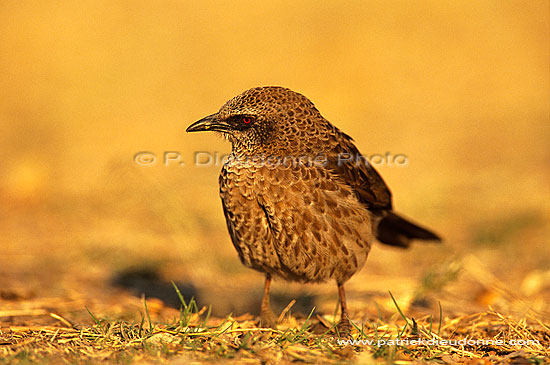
x=399, y=309
x=148, y=316
x=182, y=300
x=94, y=317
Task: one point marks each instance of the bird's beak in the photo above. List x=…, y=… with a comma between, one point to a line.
x=209, y=123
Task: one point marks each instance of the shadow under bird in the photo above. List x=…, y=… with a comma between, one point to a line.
x=299, y=201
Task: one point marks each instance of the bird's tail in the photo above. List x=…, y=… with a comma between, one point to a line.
x=397, y=231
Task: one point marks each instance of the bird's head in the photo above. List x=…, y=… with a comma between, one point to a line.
x=269, y=119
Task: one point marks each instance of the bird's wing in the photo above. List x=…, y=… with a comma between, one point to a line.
x=317, y=224
x=345, y=161
x=394, y=230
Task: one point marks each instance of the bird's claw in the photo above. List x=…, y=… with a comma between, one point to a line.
x=268, y=319
x=343, y=328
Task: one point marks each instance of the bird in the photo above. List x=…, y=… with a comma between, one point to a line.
x=300, y=202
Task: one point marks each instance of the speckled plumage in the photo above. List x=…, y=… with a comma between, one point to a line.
x=295, y=221
x=293, y=209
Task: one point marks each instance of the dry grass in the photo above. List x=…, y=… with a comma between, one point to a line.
x=192, y=335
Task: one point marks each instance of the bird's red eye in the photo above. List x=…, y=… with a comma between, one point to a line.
x=247, y=120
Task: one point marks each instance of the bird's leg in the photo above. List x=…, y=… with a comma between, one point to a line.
x=344, y=326
x=267, y=316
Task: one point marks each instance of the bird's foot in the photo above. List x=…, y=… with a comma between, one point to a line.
x=343, y=328
x=268, y=319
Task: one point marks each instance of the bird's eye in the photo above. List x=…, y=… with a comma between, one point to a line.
x=247, y=120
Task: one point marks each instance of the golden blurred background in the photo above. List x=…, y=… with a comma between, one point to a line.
x=461, y=88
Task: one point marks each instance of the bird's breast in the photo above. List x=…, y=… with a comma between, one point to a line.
x=251, y=179
x=304, y=217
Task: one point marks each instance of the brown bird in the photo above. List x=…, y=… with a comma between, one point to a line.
x=300, y=201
